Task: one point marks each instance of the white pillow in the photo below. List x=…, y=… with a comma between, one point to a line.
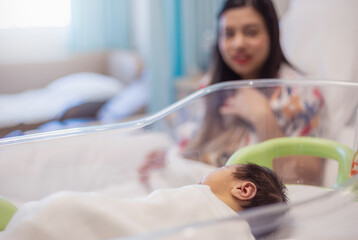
x=133, y=97
x=86, y=86
x=124, y=65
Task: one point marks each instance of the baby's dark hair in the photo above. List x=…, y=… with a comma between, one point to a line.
x=270, y=188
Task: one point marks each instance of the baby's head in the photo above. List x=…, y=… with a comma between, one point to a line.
x=243, y=186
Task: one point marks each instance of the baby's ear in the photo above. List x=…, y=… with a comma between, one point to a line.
x=244, y=190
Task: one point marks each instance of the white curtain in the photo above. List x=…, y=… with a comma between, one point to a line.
x=100, y=25
x=181, y=33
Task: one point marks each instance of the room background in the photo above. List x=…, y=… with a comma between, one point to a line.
x=174, y=37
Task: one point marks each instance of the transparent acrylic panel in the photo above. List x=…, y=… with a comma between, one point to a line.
x=180, y=144
x=328, y=215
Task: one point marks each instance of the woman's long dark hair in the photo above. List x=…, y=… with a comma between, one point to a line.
x=221, y=72
x=214, y=125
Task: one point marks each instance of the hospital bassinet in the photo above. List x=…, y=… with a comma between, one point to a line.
x=106, y=158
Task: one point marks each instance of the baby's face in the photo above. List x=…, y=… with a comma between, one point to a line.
x=220, y=179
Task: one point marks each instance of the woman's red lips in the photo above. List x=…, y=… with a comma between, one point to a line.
x=241, y=59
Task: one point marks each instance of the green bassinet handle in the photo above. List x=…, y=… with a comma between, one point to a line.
x=7, y=210
x=264, y=153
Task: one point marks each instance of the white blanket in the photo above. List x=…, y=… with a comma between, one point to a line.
x=49, y=103
x=69, y=215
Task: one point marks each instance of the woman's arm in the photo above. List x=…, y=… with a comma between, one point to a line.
x=266, y=126
x=253, y=107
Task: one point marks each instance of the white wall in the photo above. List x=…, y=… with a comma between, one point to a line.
x=33, y=44
x=281, y=6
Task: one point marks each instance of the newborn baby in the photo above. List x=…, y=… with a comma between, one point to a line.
x=222, y=193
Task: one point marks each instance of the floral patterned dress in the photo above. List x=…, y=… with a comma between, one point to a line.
x=299, y=111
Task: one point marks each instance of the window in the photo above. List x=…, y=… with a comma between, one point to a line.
x=34, y=13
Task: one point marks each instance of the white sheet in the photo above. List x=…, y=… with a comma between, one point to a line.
x=100, y=216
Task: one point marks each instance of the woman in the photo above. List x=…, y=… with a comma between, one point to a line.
x=248, y=47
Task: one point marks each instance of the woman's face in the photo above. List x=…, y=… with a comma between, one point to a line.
x=244, y=41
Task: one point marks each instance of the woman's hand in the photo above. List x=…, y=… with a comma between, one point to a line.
x=253, y=107
x=248, y=103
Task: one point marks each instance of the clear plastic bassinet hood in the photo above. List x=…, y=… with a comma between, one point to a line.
x=192, y=137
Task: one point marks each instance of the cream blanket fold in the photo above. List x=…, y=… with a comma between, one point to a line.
x=69, y=215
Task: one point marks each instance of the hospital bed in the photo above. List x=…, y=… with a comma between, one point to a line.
x=72, y=91
x=106, y=159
